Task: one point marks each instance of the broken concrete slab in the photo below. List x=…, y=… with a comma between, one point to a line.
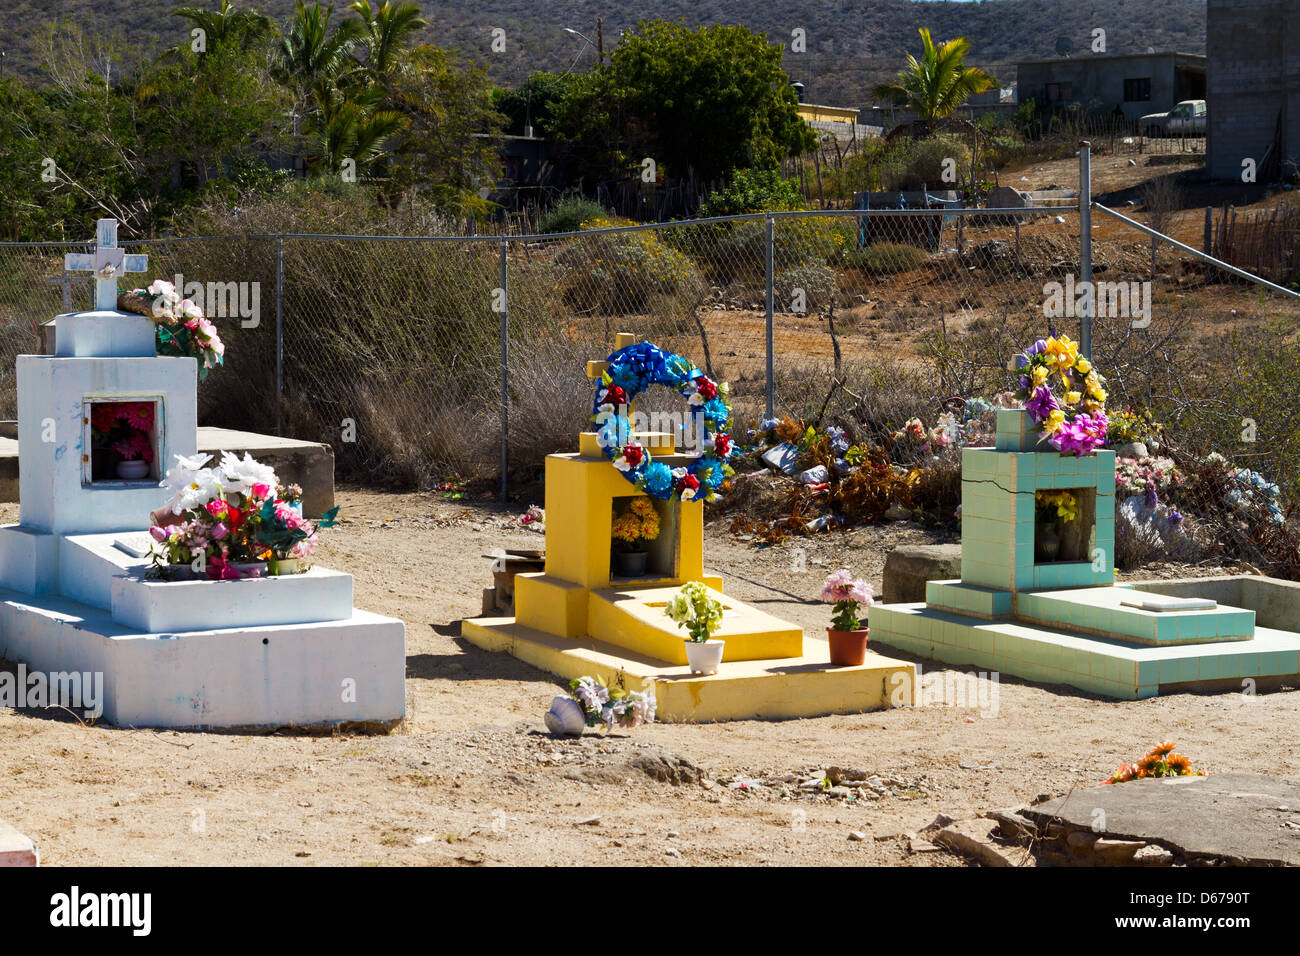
x=909, y=566
x=16, y=849
x=1236, y=818
x=975, y=839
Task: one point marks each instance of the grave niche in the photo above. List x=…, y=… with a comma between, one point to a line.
x=663, y=550
x=1075, y=540
x=124, y=435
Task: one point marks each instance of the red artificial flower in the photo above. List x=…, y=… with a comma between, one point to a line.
x=688, y=481
x=706, y=387
x=722, y=445
x=615, y=396
x=633, y=453
x=103, y=418
x=234, y=517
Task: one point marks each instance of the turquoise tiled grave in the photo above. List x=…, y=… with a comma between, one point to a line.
x=1062, y=622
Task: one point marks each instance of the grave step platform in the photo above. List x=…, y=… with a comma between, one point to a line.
x=319, y=674
x=634, y=619
x=803, y=686
x=1110, y=667
x=1102, y=611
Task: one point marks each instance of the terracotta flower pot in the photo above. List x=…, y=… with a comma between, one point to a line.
x=848, y=648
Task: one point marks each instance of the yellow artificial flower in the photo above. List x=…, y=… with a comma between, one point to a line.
x=1040, y=375
x=1083, y=366
x=1054, y=422
x=1064, y=352
x=1073, y=398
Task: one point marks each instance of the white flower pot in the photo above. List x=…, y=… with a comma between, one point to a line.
x=565, y=717
x=704, y=656
x=133, y=470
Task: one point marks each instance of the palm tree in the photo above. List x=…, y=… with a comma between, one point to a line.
x=352, y=127
x=228, y=25
x=384, y=31
x=934, y=86
x=310, y=53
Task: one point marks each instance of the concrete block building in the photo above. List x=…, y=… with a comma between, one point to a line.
x=1253, y=91
x=1134, y=85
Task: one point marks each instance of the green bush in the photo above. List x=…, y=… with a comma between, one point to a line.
x=815, y=279
x=752, y=190
x=625, y=272
x=569, y=214
x=885, y=258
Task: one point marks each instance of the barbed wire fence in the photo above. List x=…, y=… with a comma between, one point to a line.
x=420, y=358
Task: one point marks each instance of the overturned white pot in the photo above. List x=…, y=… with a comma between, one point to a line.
x=565, y=717
x=704, y=656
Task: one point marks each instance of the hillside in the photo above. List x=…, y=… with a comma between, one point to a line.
x=850, y=43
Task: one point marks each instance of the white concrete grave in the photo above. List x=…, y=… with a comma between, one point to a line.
x=74, y=594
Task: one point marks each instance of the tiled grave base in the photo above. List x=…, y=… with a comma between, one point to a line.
x=1095, y=664
x=805, y=686
x=319, y=674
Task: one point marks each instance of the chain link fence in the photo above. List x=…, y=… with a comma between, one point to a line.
x=419, y=358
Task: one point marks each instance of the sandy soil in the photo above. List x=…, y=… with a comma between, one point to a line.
x=471, y=777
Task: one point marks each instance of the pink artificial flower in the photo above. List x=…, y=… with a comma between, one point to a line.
x=261, y=490
x=159, y=534
x=219, y=531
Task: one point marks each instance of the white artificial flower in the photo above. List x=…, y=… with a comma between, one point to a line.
x=241, y=475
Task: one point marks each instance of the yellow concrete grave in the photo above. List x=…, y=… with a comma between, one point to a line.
x=577, y=618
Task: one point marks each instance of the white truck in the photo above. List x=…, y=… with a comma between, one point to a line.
x=1185, y=119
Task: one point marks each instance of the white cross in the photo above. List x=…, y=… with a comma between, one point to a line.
x=107, y=262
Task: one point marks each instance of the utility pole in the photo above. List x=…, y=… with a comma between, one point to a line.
x=600, y=41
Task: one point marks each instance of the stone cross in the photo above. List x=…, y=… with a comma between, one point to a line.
x=66, y=280
x=107, y=263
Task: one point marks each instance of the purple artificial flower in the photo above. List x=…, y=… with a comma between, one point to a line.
x=1175, y=518
x=1041, y=404
x=1151, y=499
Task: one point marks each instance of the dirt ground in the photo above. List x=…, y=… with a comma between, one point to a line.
x=472, y=778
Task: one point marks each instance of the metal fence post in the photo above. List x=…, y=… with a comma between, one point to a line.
x=771, y=318
x=279, y=330
x=505, y=376
x=1085, y=247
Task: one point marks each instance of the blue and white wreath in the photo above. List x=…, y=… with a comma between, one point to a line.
x=631, y=371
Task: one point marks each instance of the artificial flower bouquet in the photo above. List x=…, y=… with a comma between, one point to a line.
x=1162, y=761
x=122, y=432
x=847, y=595
x=608, y=707
x=692, y=608
x=225, y=521
x=1063, y=394
x=638, y=524
x=183, y=330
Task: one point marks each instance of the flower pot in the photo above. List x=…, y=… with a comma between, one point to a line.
x=848, y=648
x=249, y=569
x=133, y=470
x=630, y=564
x=283, y=566
x=704, y=656
x=565, y=717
